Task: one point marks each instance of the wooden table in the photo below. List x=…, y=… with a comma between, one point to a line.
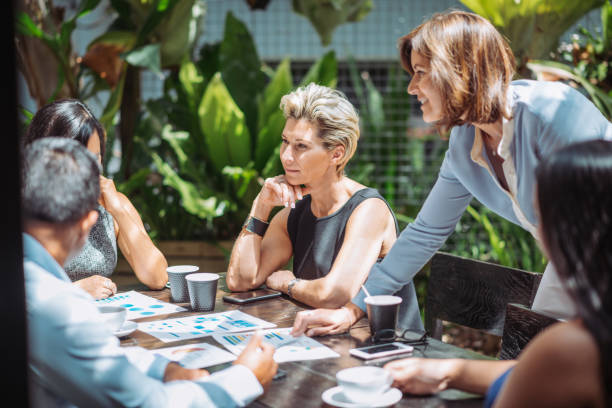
x=307, y=380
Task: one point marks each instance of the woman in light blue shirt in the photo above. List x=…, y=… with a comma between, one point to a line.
x=462, y=71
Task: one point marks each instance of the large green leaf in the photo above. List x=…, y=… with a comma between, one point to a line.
x=323, y=72
x=326, y=15
x=241, y=69
x=182, y=145
x=177, y=32
x=271, y=120
x=147, y=56
x=192, y=82
x=269, y=139
x=532, y=26
x=224, y=127
x=203, y=207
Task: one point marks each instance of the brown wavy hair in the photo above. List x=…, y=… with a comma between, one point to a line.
x=471, y=64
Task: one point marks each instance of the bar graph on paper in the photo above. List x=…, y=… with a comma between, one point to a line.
x=288, y=348
x=184, y=328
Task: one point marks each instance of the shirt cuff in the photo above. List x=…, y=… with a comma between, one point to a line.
x=359, y=300
x=239, y=382
x=153, y=365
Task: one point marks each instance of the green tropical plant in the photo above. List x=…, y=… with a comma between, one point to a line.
x=585, y=62
x=326, y=15
x=532, y=26
x=215, y=133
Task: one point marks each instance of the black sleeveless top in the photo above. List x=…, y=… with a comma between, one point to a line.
x=317, y=241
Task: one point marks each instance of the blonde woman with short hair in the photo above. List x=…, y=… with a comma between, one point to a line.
x=334, y=228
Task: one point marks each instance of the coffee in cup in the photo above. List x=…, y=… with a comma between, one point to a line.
x=364, y=384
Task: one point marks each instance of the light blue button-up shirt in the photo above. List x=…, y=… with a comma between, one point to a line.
x=74, y=359
x=545, y=117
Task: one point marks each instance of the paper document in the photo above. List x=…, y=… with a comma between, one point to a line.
x=190, y=327
x=288, y=348
x=139, y=305
x=197, y=355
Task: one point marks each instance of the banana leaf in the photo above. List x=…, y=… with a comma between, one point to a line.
x=323, y=72
x=240, y=68
x=532, y=26
x=191, y=198
x=224, y=127
x=326, y=15
x=271, y=120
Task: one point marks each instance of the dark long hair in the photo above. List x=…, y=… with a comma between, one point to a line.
x=575, y=202
x=65, y=118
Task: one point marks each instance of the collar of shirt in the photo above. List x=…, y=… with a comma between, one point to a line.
x=33, y=251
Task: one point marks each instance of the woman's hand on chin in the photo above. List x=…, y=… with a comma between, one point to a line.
x=276, y=191
x=279, y=280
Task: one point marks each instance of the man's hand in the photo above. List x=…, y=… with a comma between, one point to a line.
x=322, y=321
x=97, y=286
x=422, y=375
x=176, y=372
x=258, y=357
x=279, y=280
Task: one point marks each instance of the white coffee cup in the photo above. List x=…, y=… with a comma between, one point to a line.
x=364, y=384
x=113, y=316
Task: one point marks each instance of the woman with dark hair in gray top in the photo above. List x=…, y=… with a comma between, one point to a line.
x=334, y=227
x=118, y=223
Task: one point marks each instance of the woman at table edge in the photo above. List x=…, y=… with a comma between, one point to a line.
x=119, y=222
x=334, y=227
x=462, y=71
x=568, y=364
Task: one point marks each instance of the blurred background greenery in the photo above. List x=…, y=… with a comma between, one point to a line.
x=192, y=157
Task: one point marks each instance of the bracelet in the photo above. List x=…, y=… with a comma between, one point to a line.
x=256, y=226
x=291, y=285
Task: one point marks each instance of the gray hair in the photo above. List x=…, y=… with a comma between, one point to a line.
x=336, y=119
x=60, y=180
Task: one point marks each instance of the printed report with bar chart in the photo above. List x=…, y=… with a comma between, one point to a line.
x=190, y=327
x=288, y=348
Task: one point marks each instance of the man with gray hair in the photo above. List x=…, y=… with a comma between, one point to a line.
x=74, y=359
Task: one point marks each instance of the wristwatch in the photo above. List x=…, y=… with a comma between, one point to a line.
x=256, y=226
x=291, y=285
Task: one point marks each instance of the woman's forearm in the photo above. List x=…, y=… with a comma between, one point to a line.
x=245, y=260
x=147, y=261
x=476, y=376
x=321, y=293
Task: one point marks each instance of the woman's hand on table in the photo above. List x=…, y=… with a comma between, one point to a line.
x=422, y=376
x=97, y=286
x=323, y=321
x=279, y=280
x=258, y=357
x=176, y=372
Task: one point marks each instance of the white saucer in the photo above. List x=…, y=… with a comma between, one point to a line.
x=127, y=328
x=335, y=397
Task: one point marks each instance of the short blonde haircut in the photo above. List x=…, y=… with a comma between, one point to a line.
x=471, y=64
x=336, y=119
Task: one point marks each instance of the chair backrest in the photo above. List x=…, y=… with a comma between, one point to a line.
x=474, y=293
x=520, y=326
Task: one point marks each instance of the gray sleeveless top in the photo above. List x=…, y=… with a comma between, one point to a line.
x=99, y=254
x=317, y=241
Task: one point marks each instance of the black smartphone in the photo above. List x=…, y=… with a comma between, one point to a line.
x=251, y=296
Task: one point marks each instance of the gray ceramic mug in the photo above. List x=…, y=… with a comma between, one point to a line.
x=202, y=291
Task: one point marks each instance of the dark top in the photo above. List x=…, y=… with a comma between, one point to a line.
x=317, y=241
x=495, y=388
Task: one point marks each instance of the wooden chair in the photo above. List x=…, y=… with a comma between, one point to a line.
x=474, y=293
x=520, y=326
